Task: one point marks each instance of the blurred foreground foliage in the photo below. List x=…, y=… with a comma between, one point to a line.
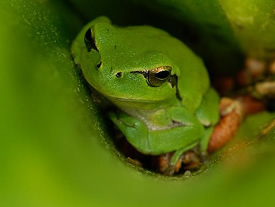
x=54, y=148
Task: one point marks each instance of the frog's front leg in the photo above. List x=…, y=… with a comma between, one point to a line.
x=171, y=163
x=191, y=156
x=174, y=129
x=134, y=129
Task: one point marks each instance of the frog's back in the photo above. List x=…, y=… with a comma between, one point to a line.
x=162, y=48
x=192, y=77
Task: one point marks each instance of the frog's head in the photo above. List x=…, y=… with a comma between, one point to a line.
x=127, y=64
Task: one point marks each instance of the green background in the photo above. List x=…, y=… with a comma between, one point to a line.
x=54, y=148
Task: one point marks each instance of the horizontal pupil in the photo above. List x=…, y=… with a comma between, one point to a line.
x=162, y=74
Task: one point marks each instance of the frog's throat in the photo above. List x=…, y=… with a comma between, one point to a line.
x=136, y=100
x=141, y=104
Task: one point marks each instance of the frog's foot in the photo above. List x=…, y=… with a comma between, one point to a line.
x=190, y=160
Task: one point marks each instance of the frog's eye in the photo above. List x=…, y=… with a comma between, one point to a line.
x=89, y=40
x=158, y=76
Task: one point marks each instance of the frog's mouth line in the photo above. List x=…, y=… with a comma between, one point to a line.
x=133, y=100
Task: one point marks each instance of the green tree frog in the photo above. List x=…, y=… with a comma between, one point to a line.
x=160, y=87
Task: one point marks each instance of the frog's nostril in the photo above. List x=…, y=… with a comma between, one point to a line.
x=99, y=65
x=119, y=74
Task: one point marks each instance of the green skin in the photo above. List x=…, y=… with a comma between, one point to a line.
x=175, y=111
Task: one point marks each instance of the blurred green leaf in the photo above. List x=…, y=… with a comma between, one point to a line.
x=254, y=25
x=54, y=148
x=221, y=30
x=205, y=28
